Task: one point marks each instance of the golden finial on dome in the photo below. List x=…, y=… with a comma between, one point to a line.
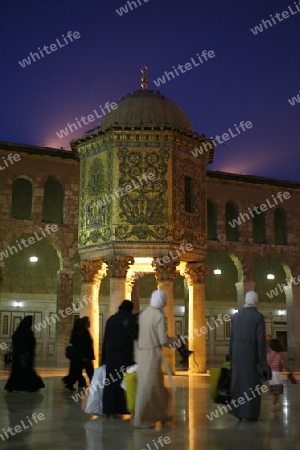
x=144, y=83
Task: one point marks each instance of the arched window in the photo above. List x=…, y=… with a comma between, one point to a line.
x=211, y=220
x=53, y=201
x=259, y=227
x=21, y=207
x=280, y=226
x=232, y=222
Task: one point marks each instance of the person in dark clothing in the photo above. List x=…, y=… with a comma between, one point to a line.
x=247, y=352
x=86, y=348
x=75, y=369
x=23, y=376
x=117, y=354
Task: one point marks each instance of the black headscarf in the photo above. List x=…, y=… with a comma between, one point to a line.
x=127, y=306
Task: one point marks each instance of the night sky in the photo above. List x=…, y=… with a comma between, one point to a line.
x=250, y=78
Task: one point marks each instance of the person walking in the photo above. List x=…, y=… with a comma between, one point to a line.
x=276, y=362
x=86, y=348
x=117, y=354
x=153, y=399
x=75, y=368
x=247, y=351
x=23, y=376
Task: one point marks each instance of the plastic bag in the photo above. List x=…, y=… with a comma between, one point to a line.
x=94, y=403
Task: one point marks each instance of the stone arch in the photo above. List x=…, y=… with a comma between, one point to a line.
x=31, y=278
x=37, y=232
x=223, y=286
x=274, y=289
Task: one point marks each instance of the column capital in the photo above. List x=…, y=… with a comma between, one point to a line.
x=165, y=272
x=195, y=272
x=91, y=271
x=118, y=265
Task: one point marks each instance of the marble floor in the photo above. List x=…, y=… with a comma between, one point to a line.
x=60, y=423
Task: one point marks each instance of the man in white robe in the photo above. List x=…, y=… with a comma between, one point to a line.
x=153, y=399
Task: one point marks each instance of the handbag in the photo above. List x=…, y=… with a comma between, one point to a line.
x=223, y=387
x=264, y=371
x=291, y=378
x=70, y=352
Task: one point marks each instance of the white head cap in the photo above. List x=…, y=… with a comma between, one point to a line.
x=158, y=299
x=251, y=299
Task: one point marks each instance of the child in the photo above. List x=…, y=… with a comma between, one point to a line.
x=277, y=364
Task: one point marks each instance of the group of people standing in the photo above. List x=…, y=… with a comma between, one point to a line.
x=119, y=349
x=248, y=355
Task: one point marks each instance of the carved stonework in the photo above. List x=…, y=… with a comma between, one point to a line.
x=195, y=272
x=91, y=272
x=130, y=283
x=118, y=265
x=164, y=272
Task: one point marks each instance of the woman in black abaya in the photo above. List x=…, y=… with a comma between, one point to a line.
x=23, y=376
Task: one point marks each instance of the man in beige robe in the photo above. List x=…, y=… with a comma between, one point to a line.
x=153, y=399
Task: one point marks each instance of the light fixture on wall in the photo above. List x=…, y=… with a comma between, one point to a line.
x=33, y=259
x=18, y=304
x=217, y=271
x=270, y=276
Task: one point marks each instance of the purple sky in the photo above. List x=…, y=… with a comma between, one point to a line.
x=251, y=77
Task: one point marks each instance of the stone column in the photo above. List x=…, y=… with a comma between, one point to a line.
x=118, y=267
x=92, y=272
x=165, y=275
x=64, y=301
x=135, y=295
x=240, y=294
x=195, y=273
x=129, y=287
x=293, y=331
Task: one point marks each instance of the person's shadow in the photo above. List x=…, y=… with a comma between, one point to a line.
x=19, y=414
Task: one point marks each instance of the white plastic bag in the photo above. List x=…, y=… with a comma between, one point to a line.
x=94, y=401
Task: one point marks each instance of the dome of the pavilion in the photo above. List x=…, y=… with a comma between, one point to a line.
x=146, y=109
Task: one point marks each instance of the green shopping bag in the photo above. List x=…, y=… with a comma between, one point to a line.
x=130, y=381
x=214, y=378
